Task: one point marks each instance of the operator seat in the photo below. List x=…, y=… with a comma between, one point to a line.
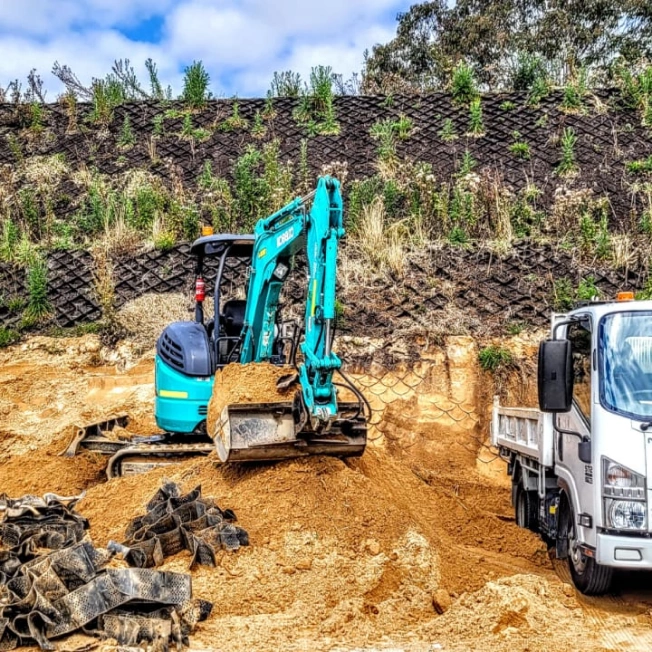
x=233, y=316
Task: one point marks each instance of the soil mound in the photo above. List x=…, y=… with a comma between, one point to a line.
x=514, y=613
x=246, y=383
x=334, y=547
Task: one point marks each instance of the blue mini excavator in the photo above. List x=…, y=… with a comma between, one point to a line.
x=248, y=330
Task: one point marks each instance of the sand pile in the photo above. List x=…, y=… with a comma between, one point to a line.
x=50, y=387
x=334, y=548
x=522, y=612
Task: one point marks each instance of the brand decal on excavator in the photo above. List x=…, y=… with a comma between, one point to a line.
x=284, y=237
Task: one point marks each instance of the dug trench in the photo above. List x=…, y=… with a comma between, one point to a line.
x=411, y=546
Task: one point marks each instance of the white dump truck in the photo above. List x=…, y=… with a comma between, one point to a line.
x=581, y=465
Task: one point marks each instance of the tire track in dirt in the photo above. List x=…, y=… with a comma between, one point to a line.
x=623, y=618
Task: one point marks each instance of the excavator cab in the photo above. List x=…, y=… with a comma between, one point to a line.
x=233, y=256
x=190, y=352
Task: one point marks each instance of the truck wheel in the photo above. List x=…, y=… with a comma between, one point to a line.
x=589, y=577
x=527, y=509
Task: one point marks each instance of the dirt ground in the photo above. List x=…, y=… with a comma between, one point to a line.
x=345, y=555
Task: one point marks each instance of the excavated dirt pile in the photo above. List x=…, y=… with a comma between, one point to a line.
x=413, y=546
x=250, y=383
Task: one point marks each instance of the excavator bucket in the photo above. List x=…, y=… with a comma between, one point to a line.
x=254, y=432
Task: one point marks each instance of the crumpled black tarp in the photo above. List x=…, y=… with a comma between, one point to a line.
x=54, y=581
x=175, y=522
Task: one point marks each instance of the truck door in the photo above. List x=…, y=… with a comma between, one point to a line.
x=578, y=475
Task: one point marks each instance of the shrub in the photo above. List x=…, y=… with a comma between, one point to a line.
x=9, y=239
x=258, y=129
x=286, y=84
x=157, y=124
x=563, y=294
x=574, y=93
x=447, y=132
x=492, y=358
x=8, y=336
x=36, y=117
x=476, y=126
x=595, y=235
x=107, y=94
x=458, y=236
x=636, y=90
x=148, y=203
x=38, y=305
x=235, y=120
x=156, y=89
x=463, y=85
x=249, y=188
x=165, y=240
x=540, y=88
x=383, y=133
x=195, y=85
x=567, y=164
x=529, y=70
x=188, y=130
x=468, y=163
x=127, y=138
x=403, y=127
x=316, y=110
x=587, y=289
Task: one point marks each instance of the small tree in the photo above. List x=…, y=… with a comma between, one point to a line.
x=195, y=85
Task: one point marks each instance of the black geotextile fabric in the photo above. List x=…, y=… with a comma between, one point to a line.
x=490, y=289
x=54, y=581
x=176, y=522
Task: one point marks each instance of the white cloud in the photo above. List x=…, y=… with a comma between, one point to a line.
x=241, y=42
x=49, y=17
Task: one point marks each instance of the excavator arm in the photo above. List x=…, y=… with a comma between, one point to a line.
x=277, y=238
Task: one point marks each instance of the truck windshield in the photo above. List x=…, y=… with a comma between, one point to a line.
x=625, y=350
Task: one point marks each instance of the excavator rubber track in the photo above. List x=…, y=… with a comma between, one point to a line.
x=255, y=432
x=140, y=458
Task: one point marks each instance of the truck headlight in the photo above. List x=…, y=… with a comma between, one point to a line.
x=624, y=497
x=626, y=514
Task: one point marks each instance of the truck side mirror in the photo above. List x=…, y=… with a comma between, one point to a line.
x=555, y=376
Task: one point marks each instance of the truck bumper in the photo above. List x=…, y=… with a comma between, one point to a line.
x=623, y=552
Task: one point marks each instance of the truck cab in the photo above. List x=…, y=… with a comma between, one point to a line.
x=581, y=465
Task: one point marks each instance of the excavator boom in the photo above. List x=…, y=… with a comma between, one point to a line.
x=311, y=422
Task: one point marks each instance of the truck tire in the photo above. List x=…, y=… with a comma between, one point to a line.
x=526, y=509
x=588, y=577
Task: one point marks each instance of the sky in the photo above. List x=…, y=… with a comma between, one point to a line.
x=241, y=42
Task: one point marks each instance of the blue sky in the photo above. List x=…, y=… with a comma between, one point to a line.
x=241, y=42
